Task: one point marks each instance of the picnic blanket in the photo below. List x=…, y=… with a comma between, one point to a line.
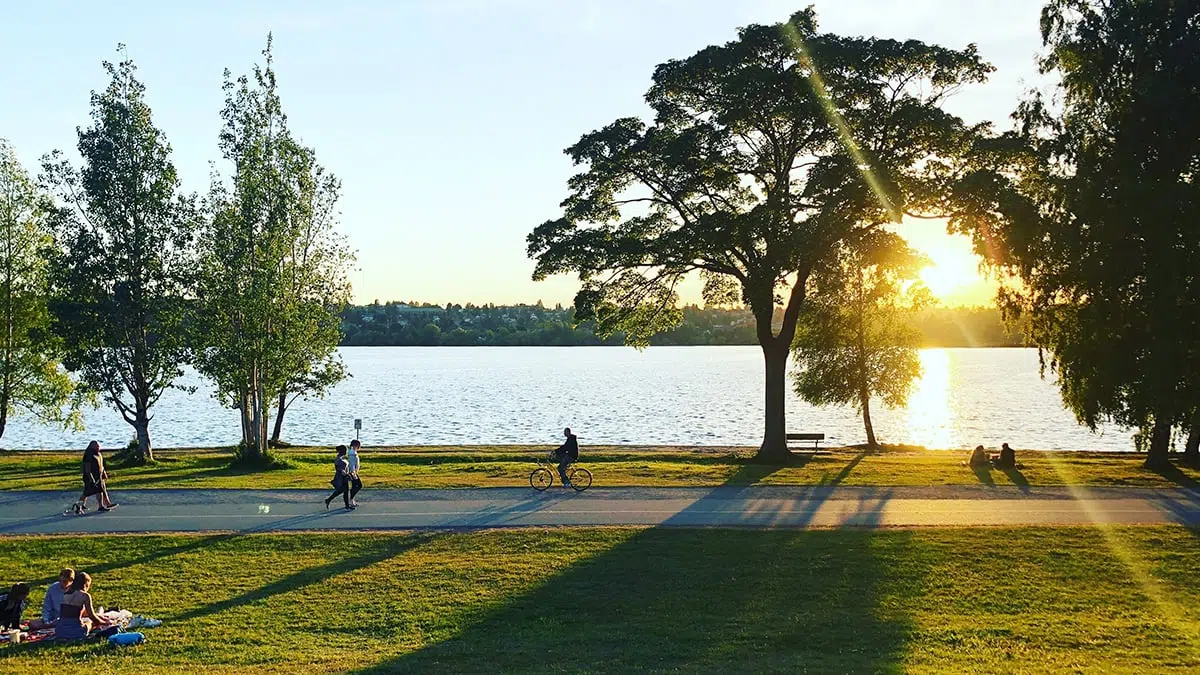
x=119, y=617
x=29, y=636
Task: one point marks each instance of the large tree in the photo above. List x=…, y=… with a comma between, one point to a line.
x=765, y=155
x=855, y=338
x=1094, y=203
x=273, y=268
x=121, y=271
x=32, y=379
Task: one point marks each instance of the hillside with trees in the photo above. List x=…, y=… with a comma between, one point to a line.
x=411, y=324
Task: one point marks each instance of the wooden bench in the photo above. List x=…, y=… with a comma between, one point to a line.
x=815, y=438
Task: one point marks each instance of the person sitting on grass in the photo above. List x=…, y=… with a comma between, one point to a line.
x=979, y=457
x=565, y=454
x=1007, y=458
x=52, y=604
x=12, y=605
x=78, y=616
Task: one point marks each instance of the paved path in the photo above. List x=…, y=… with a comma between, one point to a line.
x=784, y=507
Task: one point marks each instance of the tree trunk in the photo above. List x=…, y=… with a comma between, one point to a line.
x=774, y=446
x=864, y=400
x=1160, y=444
x=243, y=409
x=1191, y=451
x=141, y=427
x=278, y=430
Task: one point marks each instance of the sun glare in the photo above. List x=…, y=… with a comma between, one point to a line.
x=953, y=275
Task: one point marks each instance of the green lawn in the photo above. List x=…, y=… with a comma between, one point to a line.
x=416, y=467
x=622, y=600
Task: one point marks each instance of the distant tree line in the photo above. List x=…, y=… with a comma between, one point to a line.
x=419, y=324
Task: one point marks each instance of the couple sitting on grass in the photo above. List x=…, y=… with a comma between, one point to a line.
x=1007, y=459
x=345, y=475
x=67, y=607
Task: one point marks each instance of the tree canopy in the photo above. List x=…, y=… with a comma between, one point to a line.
x=273, y=268
x=1094, y=205
x=765, y=155
x=32, y=379
x=123, y=263
x=855, y=339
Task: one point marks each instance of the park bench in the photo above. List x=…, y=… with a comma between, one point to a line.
x=815, y=438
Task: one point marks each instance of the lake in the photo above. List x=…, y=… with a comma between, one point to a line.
x=612, y=395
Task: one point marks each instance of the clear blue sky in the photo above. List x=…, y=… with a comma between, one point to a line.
x=445, y=119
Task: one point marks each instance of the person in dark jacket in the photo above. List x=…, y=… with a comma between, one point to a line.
x=12, y=605
x=1007, y=458
x=340, y=481
x=565, y=454
x=95, y=479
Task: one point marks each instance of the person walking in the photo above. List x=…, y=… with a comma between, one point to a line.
x=352, y=470
x=95, y=479
x=340, y=480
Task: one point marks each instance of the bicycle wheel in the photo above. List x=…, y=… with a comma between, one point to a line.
x=540, y=479
x=581, y=479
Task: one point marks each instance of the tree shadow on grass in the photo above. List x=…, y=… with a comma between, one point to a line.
x=676, y=598
x=667, y=600
x=202, y=469
x=750, y=471
x=1178, y=477
x=375, y=552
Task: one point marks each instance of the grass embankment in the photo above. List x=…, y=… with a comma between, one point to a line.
x=625, y=600
x=481, y=466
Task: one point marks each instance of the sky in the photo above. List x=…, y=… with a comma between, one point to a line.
x=446, y=119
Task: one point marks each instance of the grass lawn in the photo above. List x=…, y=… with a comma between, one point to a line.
x=478, y=466
x=621, y=600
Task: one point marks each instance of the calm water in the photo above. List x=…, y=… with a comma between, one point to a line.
x=664, y=395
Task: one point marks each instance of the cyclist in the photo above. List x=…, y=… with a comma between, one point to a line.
x=565, y=454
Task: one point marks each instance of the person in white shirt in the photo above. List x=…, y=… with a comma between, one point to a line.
x=352, y=470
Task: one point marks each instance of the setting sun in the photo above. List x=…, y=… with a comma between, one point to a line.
x=953, y=275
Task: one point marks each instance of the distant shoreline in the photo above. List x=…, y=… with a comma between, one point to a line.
x=715, y=450
x=612, y=346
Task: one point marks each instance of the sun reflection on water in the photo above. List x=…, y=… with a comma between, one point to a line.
x=929, y=416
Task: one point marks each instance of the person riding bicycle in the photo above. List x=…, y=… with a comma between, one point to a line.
x=565, y=454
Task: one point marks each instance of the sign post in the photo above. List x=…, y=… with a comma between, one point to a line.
x=357, y=427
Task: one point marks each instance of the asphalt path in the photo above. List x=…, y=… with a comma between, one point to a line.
x=40, y=512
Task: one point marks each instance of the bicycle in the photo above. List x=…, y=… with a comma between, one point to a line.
x=543, y=476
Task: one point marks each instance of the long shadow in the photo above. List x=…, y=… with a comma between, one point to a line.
x=770, y=510
x=675, y=598
x=193, y=543
x=1014, y=474
x=31, y=522
x=693, y=600
x=376, y=552
x=984, y=474
x=222, y=470
x=1178, y=477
